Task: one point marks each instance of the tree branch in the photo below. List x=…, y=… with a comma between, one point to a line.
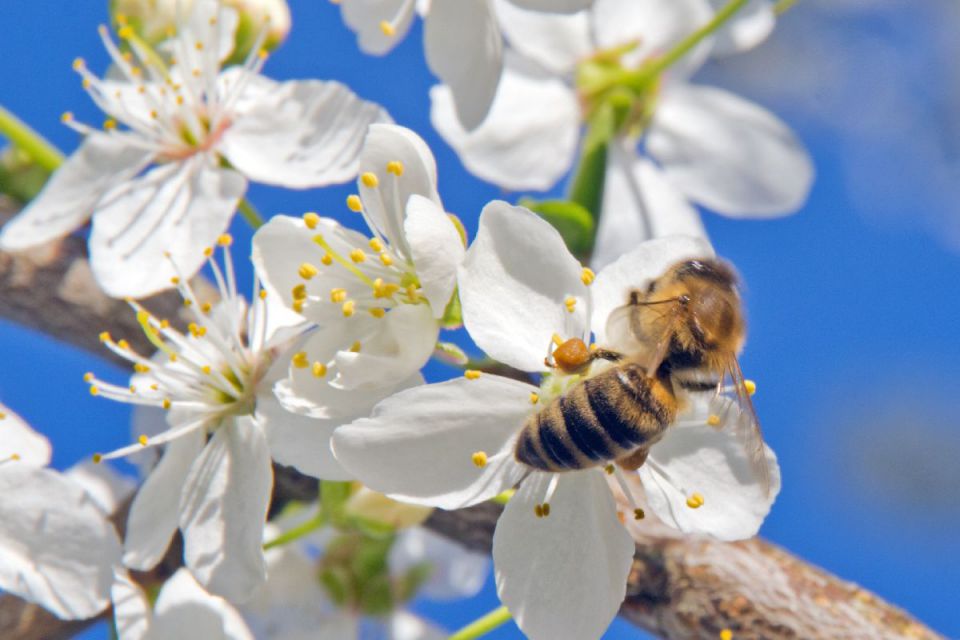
x=678, y=588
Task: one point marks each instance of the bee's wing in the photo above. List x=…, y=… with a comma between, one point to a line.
x=650, y=340
x=746, y=424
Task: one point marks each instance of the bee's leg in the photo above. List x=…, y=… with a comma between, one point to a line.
x=635, y=460
x=606, y=354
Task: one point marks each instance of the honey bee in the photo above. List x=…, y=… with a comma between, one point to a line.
x=681, y=334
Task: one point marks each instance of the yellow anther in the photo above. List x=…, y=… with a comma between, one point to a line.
x=538, y=510
x=544, y=510
x=326, y=260
x=109, y=124
x=338, y=295
x=85, y=83
x=299, y=292
x=386, y=259
x=3, y=416
x=198, y=45
x=388, y=29
x=348, y=308
x=299, y=360
x=307, y=271
x=369, y=179
x=395, y=167
x=263, y=294
x=534, y=397
x=154, y=114
x=88, y=376
x=311, y=219
x=155, y=386
x=15, y=456
x=225, y=240
x=121, y=19
x=750, y=386
x=471, y=374
x=208, y=252
x=179, y=100
x=609, y=469
x=167, y=403
x=66, y=116
x=207, y=369
x=587, y=276
x=726, y=634
x=140, y=368
x=206, y=307
x=355, y=347
x=97, y=458
x=319, y=369
x=695, y=501
x=571, y=303
x=94, y=390
x=638, y=514
x=378, y=312
x=175, y=280
x=262, y=54
x=125, y=32
x=164, y=324
x=354, y=203
x=105, y=336
x=713, y=420
x=143, y=440
x=298, y=306
x=357, y=255
x=78, y=63
x=479, y=459
x=376, y=245
x=123, y=344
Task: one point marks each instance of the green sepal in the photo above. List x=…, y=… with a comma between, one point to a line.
x=573, y=221
x=453, y=314
x=333, y=498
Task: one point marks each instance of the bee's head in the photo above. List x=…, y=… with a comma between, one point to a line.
x=710, y=304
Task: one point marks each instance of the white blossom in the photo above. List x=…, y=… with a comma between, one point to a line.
x=159, y=185
x=696, y=143
x=461, y=41
x=451, y=444
x=377, y=301
x=224, y=425
x=57, y=549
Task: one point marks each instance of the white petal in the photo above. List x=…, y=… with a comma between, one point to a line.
x=529, y=137
x=464, y=50
x=404, y=342
x=17, y=438
x=154, y=514
x=715, y=464
x=728, y=154
x=107, y=488
x=178, y=208
x=131, y=609
x=436, y=249
x=565, y=575
x=70, y=196
x=555, y=41
x=223, y=508
x=554, y=6
x=403, y=625
x=513, y=284
x=56, y=547
x=655, y=26
x=213, y=23
x=366, y=17
x=384, y=207
x=418, y=444
x=635, y=270
x=301, y=134
x=185, y=610
x=639, y=203
x=300, y=441
x=748, y=28
x=455, y=572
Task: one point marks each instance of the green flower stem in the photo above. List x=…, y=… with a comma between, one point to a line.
x=783, y=6
x=484, y=625
x=661, y=64
x=297, y=532
x=29, y=141
x=250, y=214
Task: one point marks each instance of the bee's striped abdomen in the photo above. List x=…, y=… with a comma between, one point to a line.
x=603, y=418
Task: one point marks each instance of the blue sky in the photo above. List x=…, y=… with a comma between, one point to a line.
x=852, y=302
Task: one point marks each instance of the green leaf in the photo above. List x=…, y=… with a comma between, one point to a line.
x=574, y=222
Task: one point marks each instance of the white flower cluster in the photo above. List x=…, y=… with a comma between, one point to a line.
x=322, y=370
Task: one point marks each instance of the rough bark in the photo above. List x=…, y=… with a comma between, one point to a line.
x=678, y=588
